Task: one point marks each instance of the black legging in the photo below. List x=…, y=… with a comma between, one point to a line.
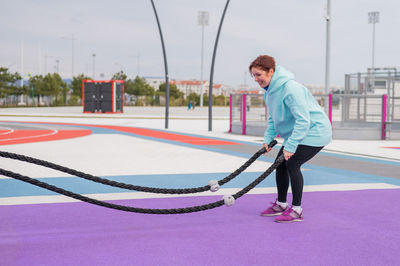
x=291, y=168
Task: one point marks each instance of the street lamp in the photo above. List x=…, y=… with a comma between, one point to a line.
x=57, y=66
x=46, y=56
x=138, y=63
x=373, y=18
x=202, y=21
x=327, y=54
x=94, y=55
x=22, y=71
x=72, y=39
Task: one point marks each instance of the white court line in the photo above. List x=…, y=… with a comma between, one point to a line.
x=54, y=131
x=225, y=191
x=10, y=130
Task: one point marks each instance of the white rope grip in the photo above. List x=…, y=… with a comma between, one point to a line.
x=214, y=186
x=229, y=200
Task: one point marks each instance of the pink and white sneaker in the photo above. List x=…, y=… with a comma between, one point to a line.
x=289, y=216
x=274, y=210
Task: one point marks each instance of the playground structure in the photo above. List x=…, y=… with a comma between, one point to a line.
x=368, y=108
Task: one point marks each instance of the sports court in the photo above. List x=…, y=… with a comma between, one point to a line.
x=350, y=200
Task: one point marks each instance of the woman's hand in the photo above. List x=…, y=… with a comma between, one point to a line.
x=267, y=148
x=287, y=154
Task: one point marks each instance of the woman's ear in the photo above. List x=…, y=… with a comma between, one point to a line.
x=271, y=72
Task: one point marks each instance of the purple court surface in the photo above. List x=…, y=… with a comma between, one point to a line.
x=342, y=228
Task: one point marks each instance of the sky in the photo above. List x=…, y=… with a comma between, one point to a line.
x=124, y=35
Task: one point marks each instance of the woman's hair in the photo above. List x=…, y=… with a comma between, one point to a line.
x=264, y=62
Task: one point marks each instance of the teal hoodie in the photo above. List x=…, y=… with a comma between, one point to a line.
x=294, y=114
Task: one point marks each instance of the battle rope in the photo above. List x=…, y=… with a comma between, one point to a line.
x=227, y=200
x=213, y=185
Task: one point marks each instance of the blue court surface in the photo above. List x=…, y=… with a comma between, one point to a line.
x=350, y=201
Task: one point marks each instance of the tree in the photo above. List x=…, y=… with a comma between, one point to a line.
x=193, y=97
x=120, y=76
x=219, y=100
x=36, y=86
x=173, y=90
x=138, y=87
x=8, y=83
x=50, y=85
x=76, y=84
x=57, y=87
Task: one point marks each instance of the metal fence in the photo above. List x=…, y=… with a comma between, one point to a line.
x=364, y=108
x=248, y=114
x=353, y=116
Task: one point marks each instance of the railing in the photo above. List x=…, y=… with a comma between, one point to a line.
x=248, y=113
x=345, y=111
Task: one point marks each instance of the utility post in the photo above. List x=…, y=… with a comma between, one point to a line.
x=373, y=18
x=203, y=17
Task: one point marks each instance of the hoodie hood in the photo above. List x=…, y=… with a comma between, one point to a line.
x=280, y=77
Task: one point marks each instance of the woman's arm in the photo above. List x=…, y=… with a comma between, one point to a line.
x=270, y=132
x=295, y=100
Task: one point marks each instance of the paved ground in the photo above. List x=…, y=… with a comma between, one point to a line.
x=346, y=187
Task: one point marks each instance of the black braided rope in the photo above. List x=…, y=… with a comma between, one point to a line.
x=142, y=210
x=104, y=181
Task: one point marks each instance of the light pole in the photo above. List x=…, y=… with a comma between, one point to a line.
x=165, y=67
x=138, y=63
x=22, y=71
x=202, y=21
x=57, y=66
x=373, y=18
x=212, y=68
x=327, y=53
x=72, y=39
x=22, y=63
x=46, y=56
x=94, y=56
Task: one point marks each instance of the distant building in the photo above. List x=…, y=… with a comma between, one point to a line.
x=249, y=91
x=194, y=86
x=155, y=81
x=320, y=89
x=190, y=86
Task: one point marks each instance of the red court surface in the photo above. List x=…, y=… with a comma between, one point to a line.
x=29, y=136
x=170, y=136
x=17, y=136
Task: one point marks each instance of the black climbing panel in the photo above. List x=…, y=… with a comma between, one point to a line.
x=103, y=96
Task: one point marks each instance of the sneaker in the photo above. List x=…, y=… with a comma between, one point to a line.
x=289, y=216
x=274, y=210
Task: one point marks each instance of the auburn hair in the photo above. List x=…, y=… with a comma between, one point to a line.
x=264, y=62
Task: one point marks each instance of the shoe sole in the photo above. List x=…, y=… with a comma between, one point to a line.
x=294, y=220
x=273, y=214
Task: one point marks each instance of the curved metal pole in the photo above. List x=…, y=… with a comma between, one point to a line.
x=165, y=66
x=212, y=70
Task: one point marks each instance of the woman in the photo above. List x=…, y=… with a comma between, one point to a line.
x=295, y=116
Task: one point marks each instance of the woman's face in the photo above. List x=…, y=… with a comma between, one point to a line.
x=262, y=77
